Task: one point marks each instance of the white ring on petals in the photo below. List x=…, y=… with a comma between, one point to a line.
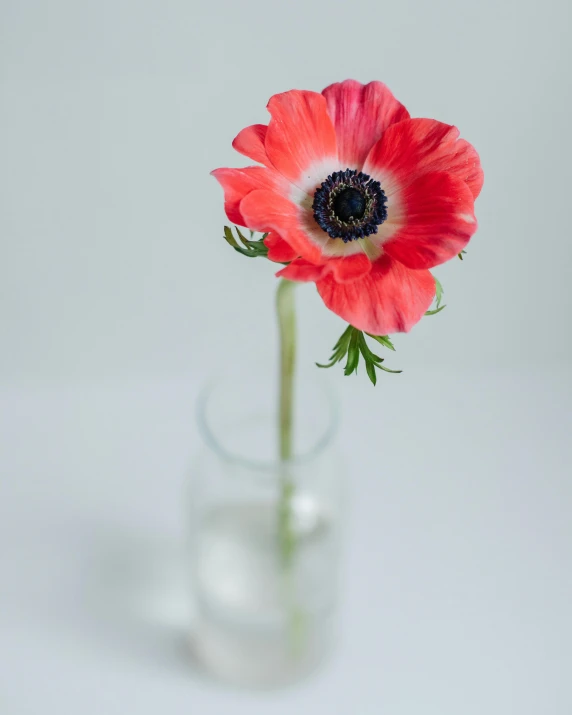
x=302, y=195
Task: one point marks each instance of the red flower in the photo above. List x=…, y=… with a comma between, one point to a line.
x=358, y=197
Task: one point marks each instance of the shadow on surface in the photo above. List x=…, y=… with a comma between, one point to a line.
x=135, y=598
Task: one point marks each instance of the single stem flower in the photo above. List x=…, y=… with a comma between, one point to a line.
x=354, y=195
x=358, y=197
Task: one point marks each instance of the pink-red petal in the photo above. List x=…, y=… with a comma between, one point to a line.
x=250, y=142
x=389, y=299
x=350, y=268
x=300, y=135
x=343, y=270
x=237, y=183
x=302, y=270
x=361, y=113
x=416, y=146
x=437, y=220
x=270, y=211
x=278, y=249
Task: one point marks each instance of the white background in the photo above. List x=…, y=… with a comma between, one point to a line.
x=118, y=297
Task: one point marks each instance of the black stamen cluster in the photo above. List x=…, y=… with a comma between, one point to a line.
x=349, y=205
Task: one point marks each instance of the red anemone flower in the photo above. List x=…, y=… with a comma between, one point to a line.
x=357, y=197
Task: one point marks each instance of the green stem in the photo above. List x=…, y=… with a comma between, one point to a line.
x=285, y=309
x=287, y=326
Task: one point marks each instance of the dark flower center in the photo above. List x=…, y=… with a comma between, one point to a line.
x=349, y=205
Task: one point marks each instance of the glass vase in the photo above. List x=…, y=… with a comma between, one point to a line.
x=265, y=533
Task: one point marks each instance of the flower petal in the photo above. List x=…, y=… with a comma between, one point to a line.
x=347, y=270
x=301, y=139
x=389, y=299
x=237, y=183
x=417, y=146
x=361, y=113
x=302, y=270
x=250, y=142
x=270, y=211
x=437, y=221
x=278, y=249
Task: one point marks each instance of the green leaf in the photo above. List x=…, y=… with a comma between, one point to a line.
x=352, y=343
x=438, y=291
x=246, y=252
x=326, y=365
x=371, y=360
x=438, y=297
x=250, y=249
x=386, y=369
x=345, y=337
x=437, y=310
x=244, y=240
x=370, y=368
x=229, y=238
x=340, y=348
x=383, y=339
x=336, y=357
x=461, y=254
x=366, y=352
x=353, y=353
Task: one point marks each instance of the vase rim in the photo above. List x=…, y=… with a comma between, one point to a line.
x=304, y=457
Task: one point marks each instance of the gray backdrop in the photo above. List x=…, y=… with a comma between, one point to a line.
x=118, y=296
x=113, y=113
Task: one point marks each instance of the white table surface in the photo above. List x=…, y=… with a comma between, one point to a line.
x=458, y=576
